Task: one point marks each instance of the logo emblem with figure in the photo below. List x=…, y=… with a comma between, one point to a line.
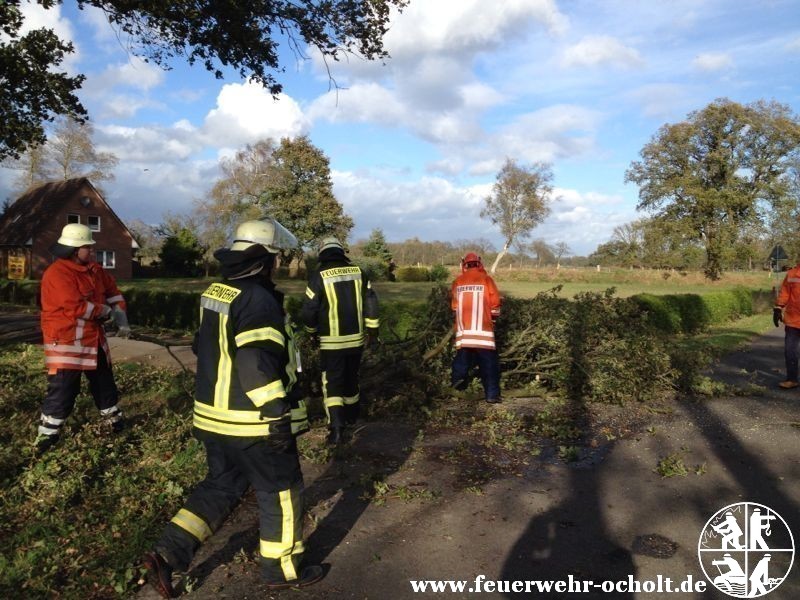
x=746, y=550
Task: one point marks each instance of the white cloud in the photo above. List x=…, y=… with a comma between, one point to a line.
x=794, y=45
x=663, y=101
x=134, y=73
x=598, y=50
x=37, y=17
x=246, y=113
x=434, y=208
x=467, y=26
x=712, y=61
x=151, y=146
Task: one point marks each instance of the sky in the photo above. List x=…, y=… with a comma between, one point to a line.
x=415, y=143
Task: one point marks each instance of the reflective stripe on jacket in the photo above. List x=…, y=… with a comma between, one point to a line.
x=789, y=297
x=476, y=301
x=246, y=363
x=73, y=297
x=339, y=304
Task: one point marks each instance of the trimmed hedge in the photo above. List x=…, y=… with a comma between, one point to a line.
x=690, y=313
x=170, y=310
x=19, y=292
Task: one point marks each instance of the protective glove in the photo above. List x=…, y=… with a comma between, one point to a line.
x=280, y=442
x=777, y=315
x=105, y=313
x=121, y=320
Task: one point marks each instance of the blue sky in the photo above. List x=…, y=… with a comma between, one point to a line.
x=415, y=143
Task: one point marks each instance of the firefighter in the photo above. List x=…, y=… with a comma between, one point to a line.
x=476, y=305
x=77, y=297
x=341, y=308
x=246, y=416
x=787, y=309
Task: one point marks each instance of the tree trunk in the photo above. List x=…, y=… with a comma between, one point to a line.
x=500, y=256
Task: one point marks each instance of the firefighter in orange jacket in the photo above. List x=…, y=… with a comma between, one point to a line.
x=77, y=298
x=787, y=309
x=476, y=303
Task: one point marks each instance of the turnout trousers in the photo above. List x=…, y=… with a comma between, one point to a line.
x=274, y=473
x=791, y=341
x=63, y=388
x=340, y=389
x=488, y=369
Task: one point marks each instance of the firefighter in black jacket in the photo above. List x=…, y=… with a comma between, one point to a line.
x=245, y=415
x=342, y=309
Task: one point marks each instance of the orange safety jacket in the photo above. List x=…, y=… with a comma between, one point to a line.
x=476, y=302
x=789, y=297
x=73, y=297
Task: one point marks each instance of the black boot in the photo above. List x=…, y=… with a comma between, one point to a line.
x=335, y=436
x=43, y=443
x=309, y=575
x=159, y=574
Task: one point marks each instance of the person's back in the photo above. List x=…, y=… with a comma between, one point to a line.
x=475, y=301
x=342, y=310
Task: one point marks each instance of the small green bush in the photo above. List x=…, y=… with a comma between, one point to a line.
x=413, y=274
x=373, y=268
x=439, y=273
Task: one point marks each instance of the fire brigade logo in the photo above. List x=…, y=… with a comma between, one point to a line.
x=746, y=550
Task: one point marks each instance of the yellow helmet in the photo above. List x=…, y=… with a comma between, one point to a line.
x=330, y=242
x=266, y=232
x=75, y=235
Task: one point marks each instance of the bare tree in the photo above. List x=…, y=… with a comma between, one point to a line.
x=561, y=249
x=519, y=201
x=68, y=152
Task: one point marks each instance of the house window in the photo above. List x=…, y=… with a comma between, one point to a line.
x=73, y=218
x=93, y=222
x=106, y=258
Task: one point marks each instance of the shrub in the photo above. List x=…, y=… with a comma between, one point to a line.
x=439, y=273
x=373, y=268
x=412, y=274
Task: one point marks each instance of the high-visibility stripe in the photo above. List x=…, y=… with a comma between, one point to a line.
x=359, y=307
x=188, y=521
x=232, y=429
x=299, y=416
x=217, y=306
x=260, y=335
x=276, y=549
x=51, y=420
x=372, y=323
x=333, y=308
x=473, y=343
x=232, y=416
x=333, y=401
x=115, y=299
x=87, y=314
x=69, y=361
x=309, y=329
x=351, y=399
x=287, y=535
x=341, y=341
x=310, y=293
x=224, y=367
x=261, y=395
x=476, y=333
x=65, y=348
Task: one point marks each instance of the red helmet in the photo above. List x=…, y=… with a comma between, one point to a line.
x=471, y=261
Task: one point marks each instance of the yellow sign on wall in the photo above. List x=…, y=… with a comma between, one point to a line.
x=16, y=267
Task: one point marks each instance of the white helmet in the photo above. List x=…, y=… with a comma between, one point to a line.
x=330, y=242
x=266, y=232
x=75, y=235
